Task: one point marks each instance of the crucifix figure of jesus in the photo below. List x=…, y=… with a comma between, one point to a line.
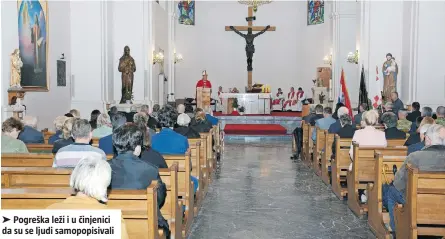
x=250, y=48
x=249, y=37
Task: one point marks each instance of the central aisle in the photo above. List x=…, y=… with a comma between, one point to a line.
x=258, y=192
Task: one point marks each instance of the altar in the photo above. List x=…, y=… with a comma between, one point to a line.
x=254, y=103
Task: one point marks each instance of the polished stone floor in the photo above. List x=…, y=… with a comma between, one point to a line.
x=258, y=192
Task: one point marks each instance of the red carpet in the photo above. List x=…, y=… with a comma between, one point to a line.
x=285, y=113
x=255, y=129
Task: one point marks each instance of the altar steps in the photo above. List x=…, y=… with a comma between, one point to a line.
x=255, y=129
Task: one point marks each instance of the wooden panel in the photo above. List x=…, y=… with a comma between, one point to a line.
x=431, y=209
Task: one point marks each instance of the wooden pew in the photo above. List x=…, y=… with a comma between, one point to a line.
x=305, y=128
x=424, y=210
x=203, y=164
x=339, y=166
x=318, y=150
x=363, y=172
x=377, y=216
x=326, y=157
x=47, y=134
x=31, y=160
x=139, y=207
x=309, y=146
x=210, y=157
x=185, y=186
x=195, y=157
x=40, y=148
x=44, y=177
x=396, y=142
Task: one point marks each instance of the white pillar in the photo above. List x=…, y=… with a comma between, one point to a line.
x=381, y=28
x=344, y=32
x=171, y=45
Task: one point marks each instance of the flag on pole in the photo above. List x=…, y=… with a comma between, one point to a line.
x=377, y=100
x=363, y=93
x=344, y=95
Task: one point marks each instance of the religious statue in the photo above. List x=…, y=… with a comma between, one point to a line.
x=390, y=71
x=250, y=48
x=16, y=69
x=127, y=67
x=321, y=97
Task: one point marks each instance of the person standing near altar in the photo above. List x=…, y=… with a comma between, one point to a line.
x=290, y=98
x=219, y=106
x=301, y=97
x=277, y=100
x=204, y=82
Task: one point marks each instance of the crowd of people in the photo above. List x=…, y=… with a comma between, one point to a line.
x=423, y=130
x=137, y=141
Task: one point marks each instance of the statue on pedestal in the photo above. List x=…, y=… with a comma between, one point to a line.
x=16, y=69
x=127, y=66
x=390, y=71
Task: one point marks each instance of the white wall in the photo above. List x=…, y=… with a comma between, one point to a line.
x=44, y=105
x=160, y=21
x=287, y=57
x=430, y=77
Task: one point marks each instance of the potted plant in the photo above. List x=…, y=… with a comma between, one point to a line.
x=241, y=110
x=235, y=104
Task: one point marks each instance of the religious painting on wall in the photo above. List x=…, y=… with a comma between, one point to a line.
x=315, y=12
x=186, y=12
x=33, y=44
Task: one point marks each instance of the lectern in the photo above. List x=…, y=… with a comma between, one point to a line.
x=203, y=97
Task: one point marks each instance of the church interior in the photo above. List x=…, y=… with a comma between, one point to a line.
x=228, y=119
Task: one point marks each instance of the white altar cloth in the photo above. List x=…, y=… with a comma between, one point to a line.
x=254, y=103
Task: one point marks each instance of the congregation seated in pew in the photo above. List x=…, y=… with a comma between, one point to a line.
x=10, y=131
x=168, y=141
x=325, y=122
x=90, y=180
x=430, y=158
x=403, y=124
x=184, y=129
x=369, y=135
x=358, y=117
x=70, y=155
x=346, y=131
x=93, y=119
x=58, y=126
x=414, y=136
x=421, y=144
x=106, y=143
x=104, y=127
x=336, y=126
x=389, y=120
x=199, y=123
x=29, y=134
x=66, y=137
x=131, y=172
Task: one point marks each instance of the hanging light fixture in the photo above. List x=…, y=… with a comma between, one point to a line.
x=254, y=3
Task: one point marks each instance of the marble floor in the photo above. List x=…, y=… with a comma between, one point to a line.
x=258, y=192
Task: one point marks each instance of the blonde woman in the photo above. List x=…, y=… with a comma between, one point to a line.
x=58, y=125
x=66, y=138
x=104, y=127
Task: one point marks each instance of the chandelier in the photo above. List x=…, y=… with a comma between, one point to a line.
x=254, y=3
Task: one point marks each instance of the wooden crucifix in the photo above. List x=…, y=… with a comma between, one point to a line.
x=249, y=37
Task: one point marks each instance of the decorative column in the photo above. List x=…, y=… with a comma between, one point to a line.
x=343, y=41
x=170, y=59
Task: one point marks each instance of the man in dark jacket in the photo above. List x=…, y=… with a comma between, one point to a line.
x=415, y=112
x=397, y=103
x=346, y=131
x=30, y=135
x=130, y=172
x=184, y=129
x=106, y=143
x=391, y=132
x=318, y=114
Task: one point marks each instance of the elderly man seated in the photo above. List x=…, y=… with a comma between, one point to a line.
x=335, y=127
x=10, y=131
x=346, y=131
x=106, y=143
x=440, y=113
x=430, y=158
x=323, y=123
x=419, y=145
x=184, y=129
x=58, y=125
x=403, y=124
x=70, y=155
x=89, y=180
x=390, y=122
x=130, y=172
x=30, y=135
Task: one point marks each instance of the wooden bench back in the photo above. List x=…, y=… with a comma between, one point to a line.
x=424, y=210
x=342, y=146
x=40, y=148
x=326, y=157
x=305, y=144
x=47, y=134
x=31, y=160
x=363, y=165
x=395, y=142
x=139, y=207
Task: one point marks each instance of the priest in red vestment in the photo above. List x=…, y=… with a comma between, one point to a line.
x=291, y=97
x=204, y=82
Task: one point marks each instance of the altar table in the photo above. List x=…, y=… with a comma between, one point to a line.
x=254, y=103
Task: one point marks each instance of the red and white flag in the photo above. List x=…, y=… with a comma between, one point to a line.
x=377, y=100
